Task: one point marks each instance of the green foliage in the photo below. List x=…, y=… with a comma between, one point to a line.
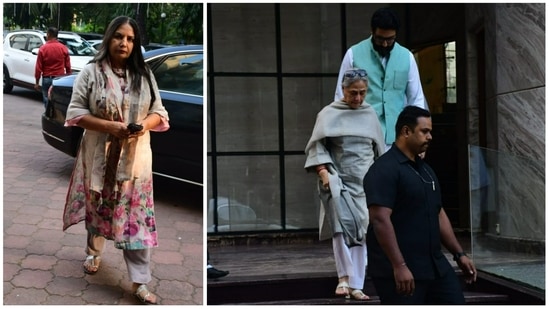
x=182, y=21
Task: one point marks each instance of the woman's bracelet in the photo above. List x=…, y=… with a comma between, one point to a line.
x=320, y=168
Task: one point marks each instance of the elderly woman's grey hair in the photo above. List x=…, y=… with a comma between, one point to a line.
x=353, y=75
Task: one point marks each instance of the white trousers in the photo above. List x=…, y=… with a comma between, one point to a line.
x=137, y=261
x=351, y=261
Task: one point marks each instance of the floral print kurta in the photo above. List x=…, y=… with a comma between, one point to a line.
x=111, y=185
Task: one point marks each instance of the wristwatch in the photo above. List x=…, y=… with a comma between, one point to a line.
x=458, y=255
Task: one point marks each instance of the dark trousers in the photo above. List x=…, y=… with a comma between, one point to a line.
x=445, y=290
x=46, y=83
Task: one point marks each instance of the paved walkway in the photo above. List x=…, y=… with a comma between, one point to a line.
x=43, y=264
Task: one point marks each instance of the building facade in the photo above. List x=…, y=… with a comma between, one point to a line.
x=272, y=67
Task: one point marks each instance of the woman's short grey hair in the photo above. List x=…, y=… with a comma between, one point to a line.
x=353, y=75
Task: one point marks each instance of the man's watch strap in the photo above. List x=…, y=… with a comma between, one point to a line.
x=458, y=255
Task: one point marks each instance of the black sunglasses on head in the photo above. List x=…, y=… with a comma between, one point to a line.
x=355, y=72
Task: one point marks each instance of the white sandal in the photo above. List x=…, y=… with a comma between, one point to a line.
x=359, y=295
x=345, y=287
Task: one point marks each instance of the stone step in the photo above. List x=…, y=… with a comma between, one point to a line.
x=305, y=289
x=471, y=298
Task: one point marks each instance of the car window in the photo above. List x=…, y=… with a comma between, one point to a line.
x=19, y=41
x=181, y=73
x=78, y=48
x=34, y=42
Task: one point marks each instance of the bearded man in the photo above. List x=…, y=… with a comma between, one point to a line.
x=393, y=76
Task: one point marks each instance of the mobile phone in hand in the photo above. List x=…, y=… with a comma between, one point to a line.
x=133, y=127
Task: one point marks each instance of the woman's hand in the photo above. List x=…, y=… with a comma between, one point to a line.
x=136, y=133
x=121, y=130
x=118, y=129
x=324, y=177
x=115, y=128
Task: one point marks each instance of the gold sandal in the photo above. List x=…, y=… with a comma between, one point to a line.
x=143, y=294
x=91, y=264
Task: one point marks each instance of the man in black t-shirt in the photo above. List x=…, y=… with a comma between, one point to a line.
x=408, y=224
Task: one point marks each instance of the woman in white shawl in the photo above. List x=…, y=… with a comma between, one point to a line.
x=346, y=140
x=111, y=184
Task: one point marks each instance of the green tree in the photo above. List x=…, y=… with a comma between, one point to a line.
x=191, y=24
x=182, y=22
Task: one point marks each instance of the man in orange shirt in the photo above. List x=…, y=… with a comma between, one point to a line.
x=53, y=61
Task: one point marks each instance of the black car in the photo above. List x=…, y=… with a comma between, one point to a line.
x=178, y=152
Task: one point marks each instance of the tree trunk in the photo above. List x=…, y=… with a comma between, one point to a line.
x=140, y=14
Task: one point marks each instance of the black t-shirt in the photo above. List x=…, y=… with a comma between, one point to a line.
x=412, y=191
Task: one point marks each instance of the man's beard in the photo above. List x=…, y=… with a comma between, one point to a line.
x=383, y=51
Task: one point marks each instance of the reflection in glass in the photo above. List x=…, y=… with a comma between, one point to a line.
x=507, y=198
x=246, y=199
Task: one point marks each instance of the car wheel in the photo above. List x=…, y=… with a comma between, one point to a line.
x=8, y=86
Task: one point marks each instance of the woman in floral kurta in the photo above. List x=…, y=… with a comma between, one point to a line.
x=111, y=185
